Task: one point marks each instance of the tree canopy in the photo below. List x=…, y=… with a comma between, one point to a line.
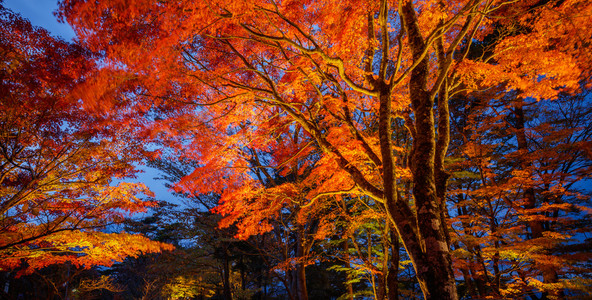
x=58, y=167
x=455, y=130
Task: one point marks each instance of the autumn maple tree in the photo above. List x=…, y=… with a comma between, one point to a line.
x=519, y=205
x=58, y=168
x=321, y=86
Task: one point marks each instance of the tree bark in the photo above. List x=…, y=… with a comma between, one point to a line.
x=393, y=272
x=434, y=271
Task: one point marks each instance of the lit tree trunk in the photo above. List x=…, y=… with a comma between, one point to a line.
x=427, y=247
x=383, y=276
x=381, y=286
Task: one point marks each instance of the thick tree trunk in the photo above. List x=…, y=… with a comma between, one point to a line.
x=301, y=283
x=426, y=244
x=434, y=270
x=381, y=286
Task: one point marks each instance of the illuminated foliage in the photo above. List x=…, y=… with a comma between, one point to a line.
x=60, y=168
x=323, y=90
x=520, y=208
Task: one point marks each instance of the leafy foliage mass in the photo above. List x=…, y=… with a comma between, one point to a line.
x=393, y=148
x=58, y=167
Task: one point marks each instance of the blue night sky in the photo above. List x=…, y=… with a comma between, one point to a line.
x=40, y=13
